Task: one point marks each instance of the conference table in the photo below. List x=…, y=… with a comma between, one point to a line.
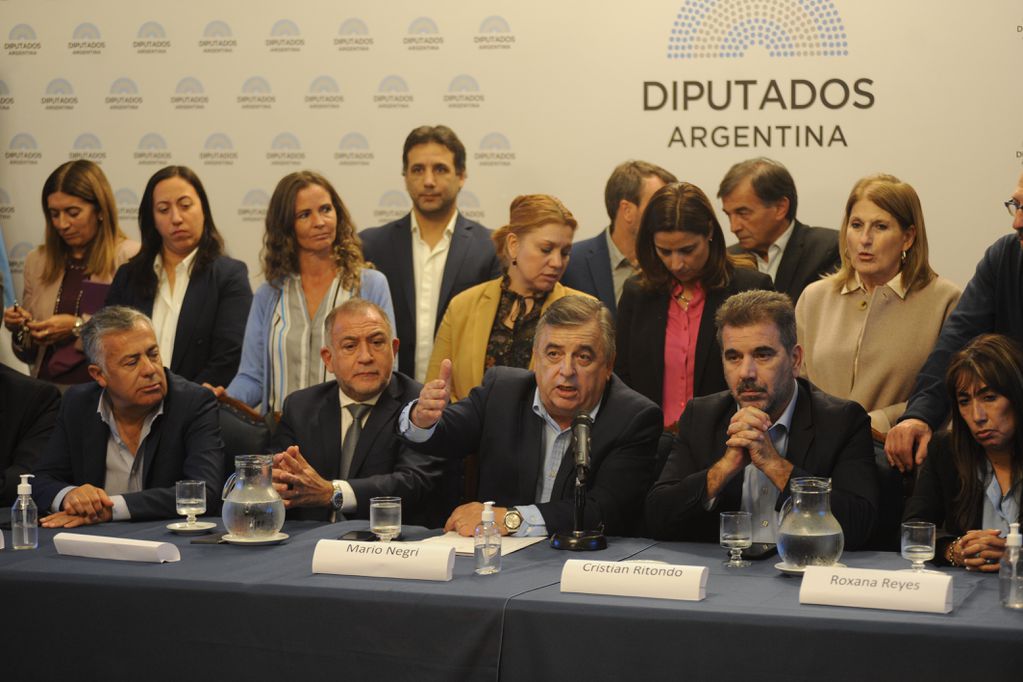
x=227, y=612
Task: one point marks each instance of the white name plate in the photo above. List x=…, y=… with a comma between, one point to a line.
x=407, y=560
x=121, y=549
x=874, y=589
x=635, y=579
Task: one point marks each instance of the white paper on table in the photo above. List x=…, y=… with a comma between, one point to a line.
x=464, y=546
x=926, y=592
x=409, y=560
x=122, y=549
x=635, y=579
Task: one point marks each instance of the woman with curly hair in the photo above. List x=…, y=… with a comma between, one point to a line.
x=312, y=261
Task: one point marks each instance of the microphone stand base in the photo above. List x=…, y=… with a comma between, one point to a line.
x=579, y=541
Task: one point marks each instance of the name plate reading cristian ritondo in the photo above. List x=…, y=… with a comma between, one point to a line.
x=873, y=589
x=407, y=560
x=635, y=579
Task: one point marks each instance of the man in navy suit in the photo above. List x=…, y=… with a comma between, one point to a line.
x=122, y=442
x=759, y=197
x=322, y=475
x=434, y=252
x=600, y=265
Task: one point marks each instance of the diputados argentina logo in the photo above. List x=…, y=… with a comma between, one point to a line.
x=124, y=94
x=151, y=39
x=780, y=29
x=218, y=151
x=324, y=93
x=353, y=36
x=23, y=151
x=87, y=146
x=6, y=97
x=217, y=38
x=353, y=150
x=423, y=34
x=152, y=151
x=464, y=93
x=494, y=34
x=86, y=39
x=59, y=95
x=22, y=41
x=189, y=94
x=285, y=37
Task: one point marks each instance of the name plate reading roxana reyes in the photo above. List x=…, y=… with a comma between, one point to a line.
x=873, y=589
x=408, y=560
x=635, y=579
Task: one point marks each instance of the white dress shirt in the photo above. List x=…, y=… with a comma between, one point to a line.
x=774, y=253
x=428, y=269
x=168, y=301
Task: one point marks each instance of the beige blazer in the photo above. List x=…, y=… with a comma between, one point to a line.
x=464, y=333
x=40, y=298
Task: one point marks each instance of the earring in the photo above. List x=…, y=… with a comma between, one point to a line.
x=515, y=261
x=903, y=256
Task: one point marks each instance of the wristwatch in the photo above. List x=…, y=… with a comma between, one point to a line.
x=77, y=329
x=338, y=498
x=512, y=519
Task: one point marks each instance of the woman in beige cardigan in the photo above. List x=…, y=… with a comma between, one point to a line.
x=867, y=329
x=493, y=323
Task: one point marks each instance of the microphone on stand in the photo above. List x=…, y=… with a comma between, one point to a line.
x=580, y=539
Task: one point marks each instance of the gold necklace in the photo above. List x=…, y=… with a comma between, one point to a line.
x=683, y=300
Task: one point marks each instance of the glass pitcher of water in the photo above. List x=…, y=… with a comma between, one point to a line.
x=252, y=508
x=809, y=534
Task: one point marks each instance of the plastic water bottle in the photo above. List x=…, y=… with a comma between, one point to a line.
x=1010, y=575
x=24, y=517
x=487, y=543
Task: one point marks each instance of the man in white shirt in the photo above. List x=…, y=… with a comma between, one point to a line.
x=434, y=252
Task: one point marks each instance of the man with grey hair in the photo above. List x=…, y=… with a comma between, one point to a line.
x=759, y=197
x=122, y=442
x=741, y=448
x=601, y=265
x=520, y=423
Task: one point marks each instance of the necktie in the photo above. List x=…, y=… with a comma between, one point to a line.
x=358, y=410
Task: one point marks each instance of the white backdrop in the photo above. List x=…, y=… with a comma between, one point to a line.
x=547, y=97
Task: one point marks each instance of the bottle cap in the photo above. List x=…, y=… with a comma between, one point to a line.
x=488, y=512
x=1014, y=539
x=25, y=488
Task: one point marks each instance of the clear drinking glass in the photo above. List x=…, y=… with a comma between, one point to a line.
x=917, y=543
x=385, y=517
x=736, y=535
x=190, y=499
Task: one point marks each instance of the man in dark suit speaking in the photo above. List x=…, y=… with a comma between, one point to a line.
x=739, y=449
x=322, y=473
x=759, y=198
x=122, y=442
x=520, y=423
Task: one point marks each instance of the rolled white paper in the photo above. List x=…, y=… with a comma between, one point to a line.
x=635, y=579
x=408, y=560
x=876, y=589
x=121, y=549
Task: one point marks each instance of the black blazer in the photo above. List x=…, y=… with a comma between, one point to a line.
x=382, y=464
x=471, y=260
x=589, y=270
x=811, y=253
x=184, y=443
x=208, y=340
x=28, y=409
x=642, y=321
x=497, y=421
x=830, y=437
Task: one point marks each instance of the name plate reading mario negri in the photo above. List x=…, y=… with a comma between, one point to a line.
x=926, y=592
x=635, y=579
x=407, y=560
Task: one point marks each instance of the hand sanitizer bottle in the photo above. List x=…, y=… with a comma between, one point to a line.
x=1010, y=575
x=488, y=543
x=24, y=517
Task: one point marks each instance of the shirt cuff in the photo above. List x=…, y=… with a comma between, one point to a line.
x=58, y=500
x=409, y=430
x=348, y=501
x=708, y=505
x=120, y=510
x=533, y=524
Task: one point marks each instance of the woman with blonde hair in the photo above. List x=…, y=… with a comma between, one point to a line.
x=493, y=323
x=67, y=277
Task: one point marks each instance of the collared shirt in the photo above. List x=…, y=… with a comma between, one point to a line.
x=999, y=510
x=774, y=253
x=428, y=271
x=621, y=267
x=124, y=468
x=855, y=285
x=168, y=301
x=349, y=502
x=759, y=495
x=680, y=351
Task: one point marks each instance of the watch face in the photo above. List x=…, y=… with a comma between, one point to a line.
x=512, y=520
x=337, y=499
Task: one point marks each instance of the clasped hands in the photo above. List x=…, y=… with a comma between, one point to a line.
x=980, y=550
x=82, y=506
x=44, y=332
x=297, y=482
x=748, y=442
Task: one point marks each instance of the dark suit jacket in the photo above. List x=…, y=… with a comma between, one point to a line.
x=184, y=444
x=471, y=260
x=642, y=321
x=810, y=253
x=28, y=409
x=589, y=270
x=382, y=464
x=830, y=437
x=498, y=422
x=208, y=340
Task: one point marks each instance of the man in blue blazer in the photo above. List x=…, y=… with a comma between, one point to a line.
x=121, y=443
x=600, y=265
x=434, y=252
